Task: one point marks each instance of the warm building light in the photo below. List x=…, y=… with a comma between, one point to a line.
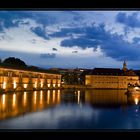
x=15, y=85
x=58, y=85
x=136, y=87
x=136, y=100
x=4, y=85
x=25, y=85
x=41, y=84
x=54, y=85
x=35, y=85
x=48, y=85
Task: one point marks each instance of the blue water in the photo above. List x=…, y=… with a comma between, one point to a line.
x=92, y=109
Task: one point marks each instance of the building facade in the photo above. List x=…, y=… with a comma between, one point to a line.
x=13, y=79
x=111, y=78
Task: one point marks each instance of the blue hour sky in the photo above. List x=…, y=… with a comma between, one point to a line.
x=69, y=39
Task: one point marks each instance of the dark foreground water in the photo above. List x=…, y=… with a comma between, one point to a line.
x=68, y=109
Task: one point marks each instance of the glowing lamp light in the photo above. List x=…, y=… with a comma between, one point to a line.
x=53, y=85
x=41, y=84
x=136, y=87
x=15, y=85
x=136, y=100
x=25, y=85
x=58, y=85
x=35, y=85
x=4, y=85
x=48, y=85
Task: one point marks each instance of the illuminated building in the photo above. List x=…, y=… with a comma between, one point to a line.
x=111, y=78
x=15, y=79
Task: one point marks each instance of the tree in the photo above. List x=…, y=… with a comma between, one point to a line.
x=12, y=61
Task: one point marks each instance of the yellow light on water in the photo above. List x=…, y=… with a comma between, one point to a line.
x=3, y=99
x=14, y=99
x=41, y=96
x=25, y=98
x=58, y=96
x=78, y=96
x=54, y=91
x=48, y=96
x=35, y=96
x=53, y=96
x=58, y=91
x=136, y=100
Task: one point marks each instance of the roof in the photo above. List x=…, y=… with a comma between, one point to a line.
x=106, y=71
x=110, y=71
x=32, y=69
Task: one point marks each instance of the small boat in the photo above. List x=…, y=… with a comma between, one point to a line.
x=134, y=90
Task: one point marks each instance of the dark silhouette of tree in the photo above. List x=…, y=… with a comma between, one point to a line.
x=12, y=61
x=70, y=78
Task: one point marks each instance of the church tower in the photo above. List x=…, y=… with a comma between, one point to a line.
x=124, y=66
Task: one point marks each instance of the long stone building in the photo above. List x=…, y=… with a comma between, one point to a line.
x=16, y=80
x=111, y=78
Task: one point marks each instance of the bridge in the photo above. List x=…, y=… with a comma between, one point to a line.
x=22, y=80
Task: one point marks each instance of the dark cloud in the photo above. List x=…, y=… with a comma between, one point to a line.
x=7, y=18
x=48, y=55
x=40, y=32
x=74, y=51
x=54, y=49
x=129, y=20
x=112, y=45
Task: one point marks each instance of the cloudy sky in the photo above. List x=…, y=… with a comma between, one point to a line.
x=69, y=39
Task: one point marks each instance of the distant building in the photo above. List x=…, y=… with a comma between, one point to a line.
x=111, y=78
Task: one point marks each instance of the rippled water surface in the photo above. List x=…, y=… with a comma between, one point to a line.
x=70, y=109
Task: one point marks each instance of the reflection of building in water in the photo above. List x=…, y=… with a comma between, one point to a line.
x=72, y=96
x=133, y=98
x=15, y=104
x=14, y=79
x=111, y=78
x=106, y=97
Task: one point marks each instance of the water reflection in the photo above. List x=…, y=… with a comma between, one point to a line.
x=15, y=104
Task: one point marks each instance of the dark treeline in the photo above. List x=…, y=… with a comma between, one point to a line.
x=17, y=63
